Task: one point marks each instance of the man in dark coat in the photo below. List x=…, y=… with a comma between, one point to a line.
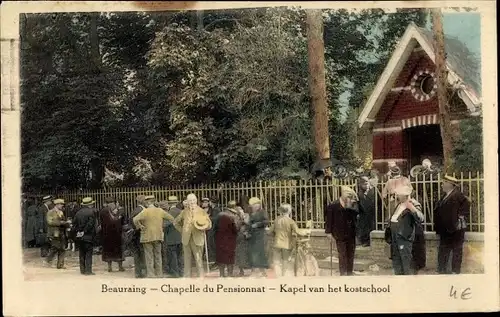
x=367, y=208
x=173, y=241
x=340, y=224
x=84, y=231
x=112, y=222
x=42, y=227
x=450, y=224
x=135, y=245
x=212, y=212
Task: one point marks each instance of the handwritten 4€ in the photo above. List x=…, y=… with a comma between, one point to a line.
x=285, y=288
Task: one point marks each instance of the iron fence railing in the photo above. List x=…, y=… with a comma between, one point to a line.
x=308, y=198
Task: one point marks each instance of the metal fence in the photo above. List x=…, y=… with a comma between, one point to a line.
x=308, y=198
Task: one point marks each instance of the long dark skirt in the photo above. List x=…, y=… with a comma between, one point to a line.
x=418, y=250
x=242, y=253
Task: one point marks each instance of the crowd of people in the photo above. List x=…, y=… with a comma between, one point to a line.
x=404, y=230
x=166, y=238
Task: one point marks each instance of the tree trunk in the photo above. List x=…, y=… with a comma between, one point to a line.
x=442, y=84
x=199, y=24
x=317, y=85
x=95, y=52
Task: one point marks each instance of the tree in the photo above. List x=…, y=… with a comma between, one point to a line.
x=468, y=149
x=122, y=92
x=317, y=85
x=442, y=89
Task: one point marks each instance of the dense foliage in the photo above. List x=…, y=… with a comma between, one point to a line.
x=199, y=97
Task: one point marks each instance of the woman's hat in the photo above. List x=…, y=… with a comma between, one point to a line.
x=231, y=204
x=394, y=170
x=452, y=180
x=403, y=190
x=88, y=201
x=58, y=201
x=348, y=192
x=254, y=201
x=200, y=221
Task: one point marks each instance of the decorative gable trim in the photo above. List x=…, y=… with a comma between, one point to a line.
x=402, y=52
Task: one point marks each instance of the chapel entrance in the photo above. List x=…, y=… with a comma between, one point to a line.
x=424, y=142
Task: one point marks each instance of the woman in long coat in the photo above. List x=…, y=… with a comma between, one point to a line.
x=31, y=224
x=225, y=234
x=242, y=255
x=112, y=222
x=257, y=242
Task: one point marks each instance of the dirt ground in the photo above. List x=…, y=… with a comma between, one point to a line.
x=34, y=269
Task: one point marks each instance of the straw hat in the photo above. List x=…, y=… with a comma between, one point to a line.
x=58, y=201
x=200, y=221
x=88, y=201
x=173, y=199
x=254, y=201
x=46, y=198
x=149, y=197
x=450, y=179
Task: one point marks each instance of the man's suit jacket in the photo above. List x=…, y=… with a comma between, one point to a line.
x=284, y=229
x=172, y=235
x=448, y=210
x=340, y=222
x=56, y=228
x=150, y=221
x=184, y=224
x=85, y=221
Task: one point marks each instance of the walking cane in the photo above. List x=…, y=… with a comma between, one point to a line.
x=331, y=258
x=206, y=252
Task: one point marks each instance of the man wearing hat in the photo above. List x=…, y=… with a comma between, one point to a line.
x=56, y=233
x=192, y=222
x=367, y=206
x=450, y=224
x=285, y=230
x=42, y=226
x=85, y=231
x=173, y=241
x=206, y=204
x=135, y=244
x=404, y=220
x=150, y=222
x=340, y=225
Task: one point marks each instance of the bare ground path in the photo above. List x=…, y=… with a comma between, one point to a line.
x=34, y=269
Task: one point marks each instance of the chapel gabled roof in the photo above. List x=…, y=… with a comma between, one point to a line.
x=463, y=70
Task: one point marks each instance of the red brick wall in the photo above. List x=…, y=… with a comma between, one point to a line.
x=388, y=145
x=401, y=104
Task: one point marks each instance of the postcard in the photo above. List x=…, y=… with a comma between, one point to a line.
x=164, y=157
